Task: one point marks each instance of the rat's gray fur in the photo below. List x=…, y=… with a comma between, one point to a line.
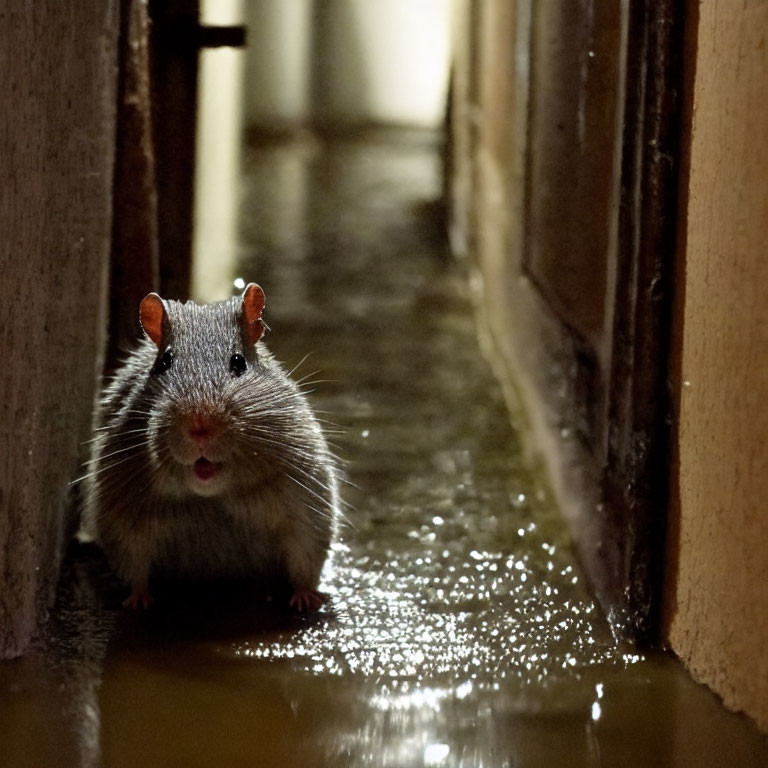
x=274, y=505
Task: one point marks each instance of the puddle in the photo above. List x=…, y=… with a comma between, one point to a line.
x=459, y=630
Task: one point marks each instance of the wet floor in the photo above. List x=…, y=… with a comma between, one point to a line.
x=459, y=631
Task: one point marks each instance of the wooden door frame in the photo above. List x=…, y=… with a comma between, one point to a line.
x=602, y=425
x=636, y=476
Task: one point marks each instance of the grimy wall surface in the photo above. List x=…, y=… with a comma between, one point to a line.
x=717, y=607
x=57, y=88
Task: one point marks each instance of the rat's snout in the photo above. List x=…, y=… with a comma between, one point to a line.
x=202, y=428
x=198, y=431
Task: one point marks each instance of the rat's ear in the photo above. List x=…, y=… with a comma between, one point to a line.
x=154, y=318
x=253, y=306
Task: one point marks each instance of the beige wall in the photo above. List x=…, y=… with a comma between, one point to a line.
x=717, y=609
x=57, y=135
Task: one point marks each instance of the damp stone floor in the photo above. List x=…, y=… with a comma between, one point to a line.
x=459, y=630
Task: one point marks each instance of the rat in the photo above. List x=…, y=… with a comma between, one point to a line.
x=209, y=462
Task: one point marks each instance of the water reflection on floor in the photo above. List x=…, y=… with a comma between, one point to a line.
x=459, y=631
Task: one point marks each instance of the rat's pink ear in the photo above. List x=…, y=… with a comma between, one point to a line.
x=253, y=306
x=153, y=317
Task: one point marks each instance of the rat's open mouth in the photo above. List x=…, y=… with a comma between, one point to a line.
x=204, y=469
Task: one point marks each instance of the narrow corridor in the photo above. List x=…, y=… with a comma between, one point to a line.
x=459, y=631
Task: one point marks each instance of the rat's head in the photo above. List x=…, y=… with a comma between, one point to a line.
x=206, y=385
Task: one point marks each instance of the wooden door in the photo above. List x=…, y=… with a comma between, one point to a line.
x=564, y=145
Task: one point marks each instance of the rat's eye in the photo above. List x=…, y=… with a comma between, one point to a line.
x=237, y=364
x=164, y=362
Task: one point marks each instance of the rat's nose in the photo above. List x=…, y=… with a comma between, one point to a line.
x=201, y=429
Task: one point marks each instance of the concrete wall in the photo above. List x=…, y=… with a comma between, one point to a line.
x=347, y=61
x=58, y=65
x=717, y=609
x=278, y=71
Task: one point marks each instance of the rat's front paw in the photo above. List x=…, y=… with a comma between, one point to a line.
x=139, y=598
x=307, y=600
